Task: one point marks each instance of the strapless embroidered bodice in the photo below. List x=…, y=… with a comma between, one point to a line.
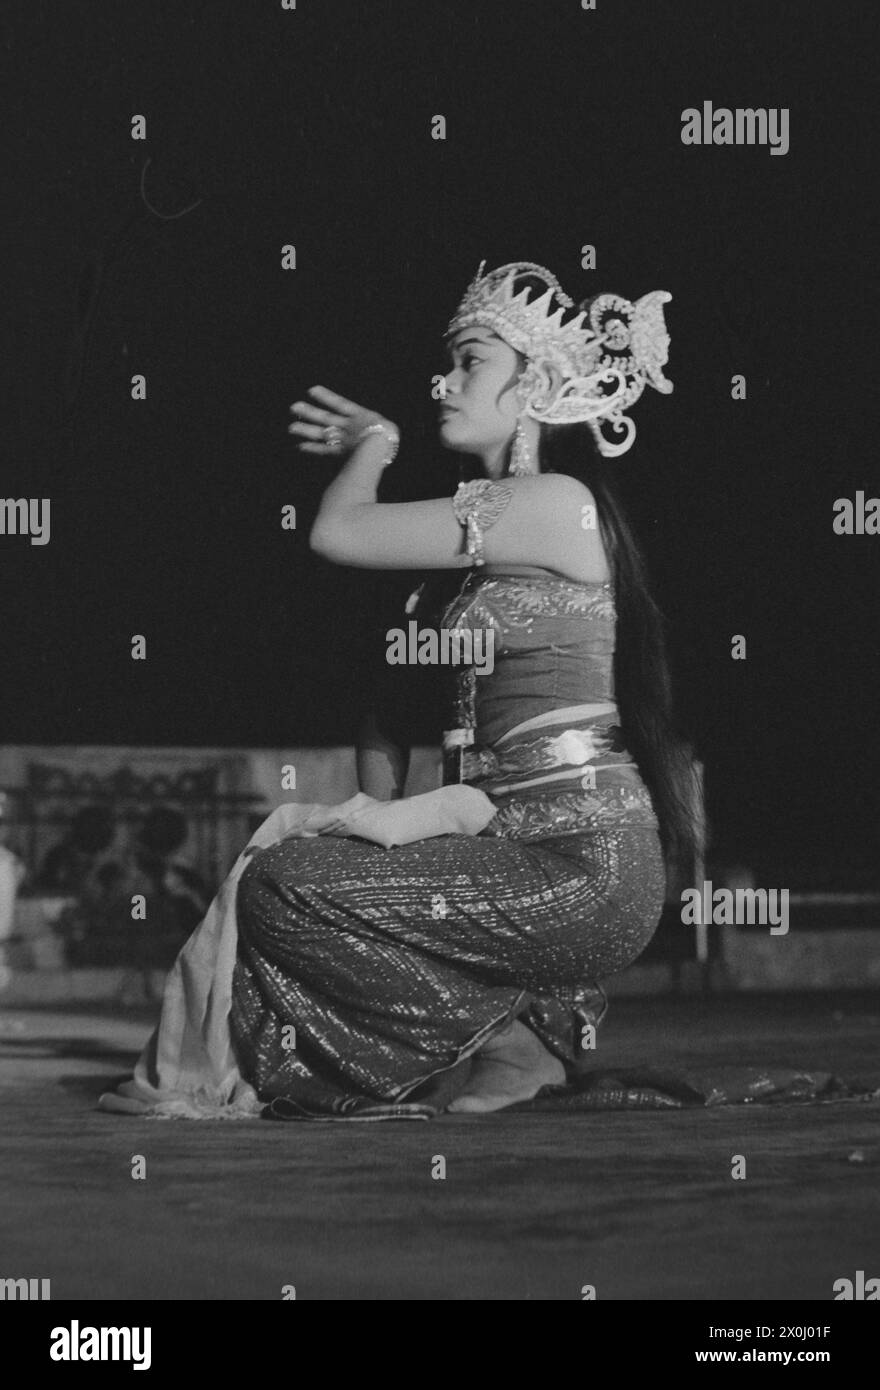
x=547, y=744
x=553, y=645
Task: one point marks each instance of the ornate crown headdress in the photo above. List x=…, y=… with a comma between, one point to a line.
x=605, y=354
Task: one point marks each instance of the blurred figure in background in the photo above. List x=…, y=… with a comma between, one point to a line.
x=70, y=865
x=177, y=895
x=12, y=871
x=101, y=928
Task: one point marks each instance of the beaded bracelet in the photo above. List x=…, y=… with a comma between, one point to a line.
x=393, y=439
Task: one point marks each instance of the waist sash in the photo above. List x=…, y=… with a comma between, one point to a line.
x=541, y=753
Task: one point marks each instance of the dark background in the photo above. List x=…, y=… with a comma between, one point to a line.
x=313, y=127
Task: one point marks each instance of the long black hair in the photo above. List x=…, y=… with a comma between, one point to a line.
x=642, y=674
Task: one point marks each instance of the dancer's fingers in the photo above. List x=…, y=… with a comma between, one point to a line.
x=307, y=431
x=312, y=412
x=334, y=401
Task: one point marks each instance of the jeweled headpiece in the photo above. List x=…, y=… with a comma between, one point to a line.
x=605, y=354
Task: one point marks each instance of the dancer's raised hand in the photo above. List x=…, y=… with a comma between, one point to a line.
x=331, y=424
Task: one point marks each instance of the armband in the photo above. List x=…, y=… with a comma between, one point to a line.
x=477, y=506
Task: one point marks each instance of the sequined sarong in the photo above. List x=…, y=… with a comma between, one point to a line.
x=362, y=973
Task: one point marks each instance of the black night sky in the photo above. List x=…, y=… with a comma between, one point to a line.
x=312, y=127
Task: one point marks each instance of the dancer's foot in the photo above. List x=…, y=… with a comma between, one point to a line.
x=513, y=1066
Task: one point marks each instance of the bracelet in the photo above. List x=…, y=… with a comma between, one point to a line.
x=393, y=440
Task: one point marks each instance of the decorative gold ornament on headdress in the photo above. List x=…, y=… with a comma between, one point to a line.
x=605, y=354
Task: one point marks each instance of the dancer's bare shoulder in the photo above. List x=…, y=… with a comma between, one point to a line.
x=578, y=551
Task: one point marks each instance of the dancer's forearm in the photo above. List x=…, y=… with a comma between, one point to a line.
x=356, y=485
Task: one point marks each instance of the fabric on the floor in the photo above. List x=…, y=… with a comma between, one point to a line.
x=648, y=1089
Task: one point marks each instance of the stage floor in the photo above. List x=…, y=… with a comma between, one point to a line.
x=638, y=1204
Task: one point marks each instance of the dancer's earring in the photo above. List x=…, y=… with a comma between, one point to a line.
x=520, y=454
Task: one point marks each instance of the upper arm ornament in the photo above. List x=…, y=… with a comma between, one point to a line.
x=477, y=506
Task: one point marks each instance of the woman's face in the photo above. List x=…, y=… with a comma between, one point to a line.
x=480, y=411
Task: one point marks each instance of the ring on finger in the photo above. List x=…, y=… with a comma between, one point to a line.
x=333, y=435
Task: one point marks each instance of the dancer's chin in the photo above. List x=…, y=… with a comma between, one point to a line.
x=451, y=437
